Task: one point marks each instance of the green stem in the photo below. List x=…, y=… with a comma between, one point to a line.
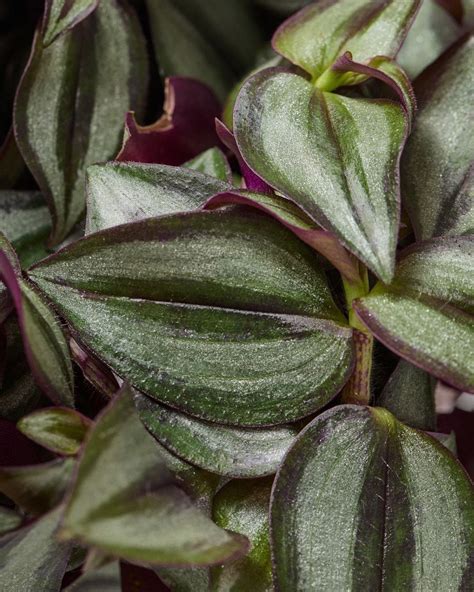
x=358, y=389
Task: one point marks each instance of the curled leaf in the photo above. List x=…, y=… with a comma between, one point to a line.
x=185, y=129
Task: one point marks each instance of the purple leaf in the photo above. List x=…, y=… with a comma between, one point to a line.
x=185, y=129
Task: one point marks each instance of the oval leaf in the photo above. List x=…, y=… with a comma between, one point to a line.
x=124, y=192
x=233, y=452
x=319, y=150
x=201, y=308
x=60, y=430
x=212, y=162
x=363, y=502
x=43, y=339
x=317, y=35
x=426, y=314
x=125, y=503
x=438, y=163
x=61, y=131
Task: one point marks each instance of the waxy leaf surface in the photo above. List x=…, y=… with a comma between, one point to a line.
x=427, y=314
x=363, y=502
x=319, y=150
x=438, y=163
x=125, y=502
x=184, y=130
x=43, y=339
x=59, y=429
x=212, y=162
x=124, y=192
x=409, y=395
x=233, y=452
x=37, y=488
x=31, y=559
x=225, y=315
x=242, y=506
x=70, y=104
x=317, y=35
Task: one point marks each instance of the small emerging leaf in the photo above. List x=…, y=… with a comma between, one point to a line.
x=61, y=430
x=9, y=520
x=211, y=162
x=62, y=15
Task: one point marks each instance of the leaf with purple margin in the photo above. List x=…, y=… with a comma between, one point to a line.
x=426, y=314
x=58, y=429
x=32, y=556
x=125, y=502
x=438, y=163
x=382, y=68
x=62, y=15
x=59, y=130
x=120, y=192
x=232, y=452
x=317, y=35
x=203, y=308
x=318, y=149
x=433, y=31
x=291, y=216
x=409, y=395
x=43, y=339
x=243, y=507
x=184, y=130
x=363, y=502
x=37, y=488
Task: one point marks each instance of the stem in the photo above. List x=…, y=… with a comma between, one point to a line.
x=358, y=389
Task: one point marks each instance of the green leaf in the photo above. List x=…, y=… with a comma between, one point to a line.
x=212, y=162
x=233, y=452
x=426, y=314
x=317, y=35
x=409, y=395
x=61, y=131
x=363, y=502
x=204, y=308
x=26, y=223
x=120, y=192
x=59, y=429
x=31, y=559
x=105, y=579
x=37, y=488
x=437, y=165
x=125, y=503
x=291, y=216
x=242, y=506
x=319, y=150
x=211, y=41
x=44, y=342
x=433, y=31
x=9, y=520
x=63, y=15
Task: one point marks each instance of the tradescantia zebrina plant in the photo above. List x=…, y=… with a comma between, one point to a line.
x=223, y=325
